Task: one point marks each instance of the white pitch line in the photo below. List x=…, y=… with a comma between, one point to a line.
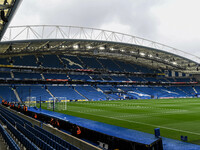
x=144, y=123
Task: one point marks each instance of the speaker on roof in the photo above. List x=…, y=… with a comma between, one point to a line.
x=5, y=19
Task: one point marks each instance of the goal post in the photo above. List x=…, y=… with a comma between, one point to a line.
x=30, y=101
x=57, y=103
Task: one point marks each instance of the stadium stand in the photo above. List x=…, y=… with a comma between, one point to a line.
x=79, y=77
x=65, y=91
x=91, y=62
x=109, y=64
x=54, y=76
x=8, y=139
x=4, y=61
x=39, y=92
x=91, y=93
x=33, y=138
x=88, y=92
x=5, y=75
x=71, y=62
x=6, y=93
x=28, y=60
x=26, y=75
x=50, y=61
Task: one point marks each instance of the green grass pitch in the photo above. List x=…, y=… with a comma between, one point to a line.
x=174, y=117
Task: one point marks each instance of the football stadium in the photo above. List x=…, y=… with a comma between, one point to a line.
x=79, y=88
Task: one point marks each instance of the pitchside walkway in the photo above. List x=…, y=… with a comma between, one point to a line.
x=124, y=133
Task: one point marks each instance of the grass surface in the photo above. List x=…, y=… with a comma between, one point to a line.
x=174, y=117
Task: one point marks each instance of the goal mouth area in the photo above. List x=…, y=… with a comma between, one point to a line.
x=57, y=103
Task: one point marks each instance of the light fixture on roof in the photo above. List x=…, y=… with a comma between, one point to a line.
x=174, y=63
x=142, y=54
x=101, y=48
x=89, y=47
x=112, y=49
x=75, y=46
x=150, y=55
x=122, y=50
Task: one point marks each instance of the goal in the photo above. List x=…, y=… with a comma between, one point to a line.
x=57, y=103
x=30, y=101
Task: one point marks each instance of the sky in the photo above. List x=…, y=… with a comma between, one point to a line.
x=175, y=23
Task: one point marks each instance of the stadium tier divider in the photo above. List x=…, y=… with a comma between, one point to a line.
x=8, y=139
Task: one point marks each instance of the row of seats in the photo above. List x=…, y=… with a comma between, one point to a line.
x=41, y=138
x=39, y=142
x=21, y=137
x=14, y=118
x=75, y=62
x=55, y=138
x=45, y=138
x=100, y=92
x=8, y=139
x=91, y=93
x=26, y=75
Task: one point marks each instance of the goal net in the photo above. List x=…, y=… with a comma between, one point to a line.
x=30, y=101
x=58, y=103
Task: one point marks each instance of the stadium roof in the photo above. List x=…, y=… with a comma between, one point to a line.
x=7, y=10
x=72, y=40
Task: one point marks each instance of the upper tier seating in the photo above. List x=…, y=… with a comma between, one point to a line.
x=50, y=61
x=125, y=66
x=55, y=76
x=90, y=62
x=72, y=62
x=119, y=78
x=4, y=61
x=79, y=77
x=137, y=78
x=29, y=60
x=109, y=64
x=5, y=75
x=30, y=75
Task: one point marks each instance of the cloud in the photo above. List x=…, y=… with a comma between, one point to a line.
x=164, y=21
x=90, y=13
